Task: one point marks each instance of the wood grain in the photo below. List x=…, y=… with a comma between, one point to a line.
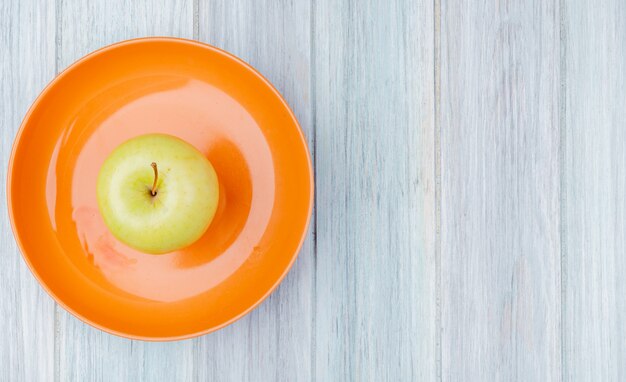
x=374, y=119
x=594, y=191
x=470, y=214
x=274, y=343
x=84, y=353
x=85, y=26
x=27, y=35
x=500, y=238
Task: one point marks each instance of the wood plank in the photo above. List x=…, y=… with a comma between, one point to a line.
x=274, y=342
x=27, y=35
x=500, y=251
x=86, y=354
x=376, y=276
x=594, y=188
x=87, y=26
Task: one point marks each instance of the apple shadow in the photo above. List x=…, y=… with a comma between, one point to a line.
x=235, y=186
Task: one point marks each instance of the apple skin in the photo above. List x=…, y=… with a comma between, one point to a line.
x=187, y=193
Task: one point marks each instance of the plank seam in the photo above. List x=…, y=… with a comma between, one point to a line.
x=562, y=176
x=196, y=19
x=313, y=122
x=437, y=143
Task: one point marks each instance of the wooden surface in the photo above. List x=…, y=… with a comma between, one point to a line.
x=500, y=251
x=375, y=303
x=594, y=191
x=470, y=183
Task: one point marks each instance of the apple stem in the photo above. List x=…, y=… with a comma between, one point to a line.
x=156, y=177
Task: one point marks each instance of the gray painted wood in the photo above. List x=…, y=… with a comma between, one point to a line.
x=469, y=204
x=275, y=342
x=375, y=306
x=85, y=353
x=500, y=238
x=27, y=35
x=85, y=26
x=594, y=191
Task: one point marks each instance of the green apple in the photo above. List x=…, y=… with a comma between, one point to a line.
x=157, y=193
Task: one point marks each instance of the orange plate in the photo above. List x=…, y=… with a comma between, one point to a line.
x=212, y=100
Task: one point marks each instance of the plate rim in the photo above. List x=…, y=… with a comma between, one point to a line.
x=58, y=78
